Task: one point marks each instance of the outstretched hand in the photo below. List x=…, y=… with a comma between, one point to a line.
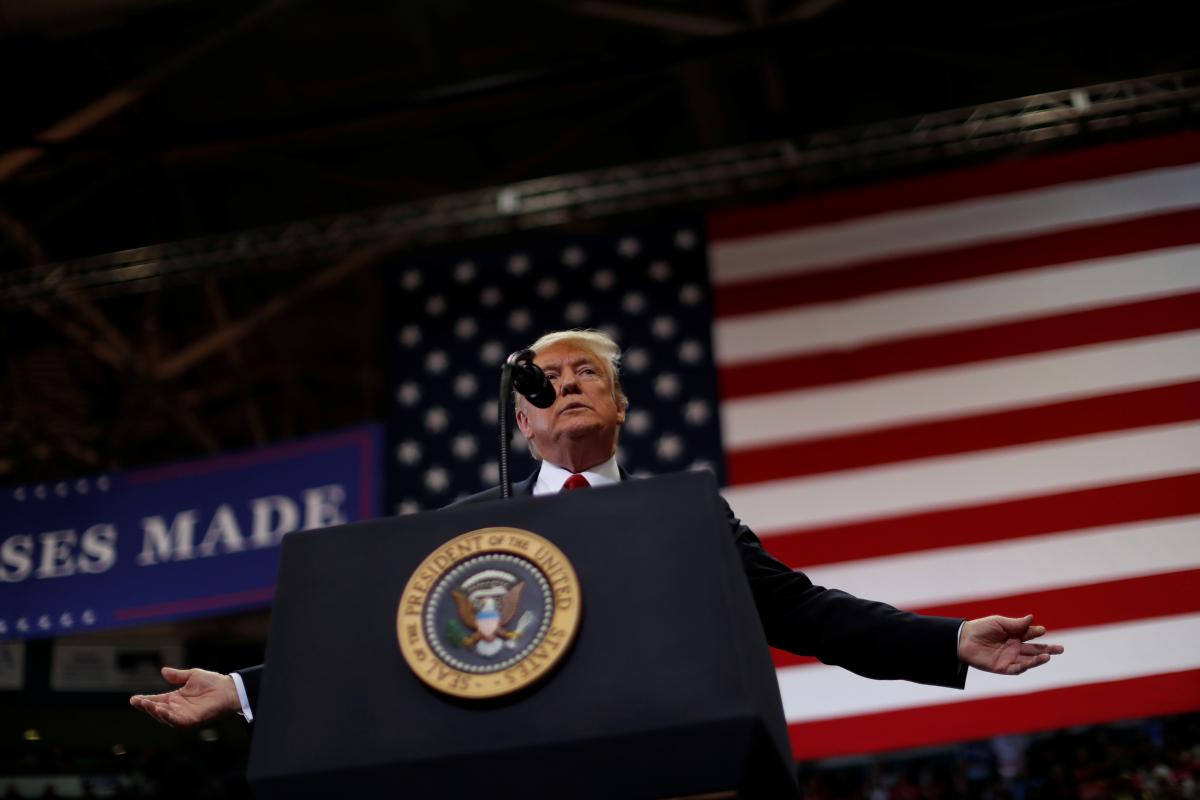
x=1001, y=644
x=202, y=696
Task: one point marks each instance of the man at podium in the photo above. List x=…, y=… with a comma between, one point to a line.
x=575, y=441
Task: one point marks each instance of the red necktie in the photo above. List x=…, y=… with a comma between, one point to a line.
x=576, y=482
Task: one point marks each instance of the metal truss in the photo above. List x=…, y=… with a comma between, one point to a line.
x=704, y=177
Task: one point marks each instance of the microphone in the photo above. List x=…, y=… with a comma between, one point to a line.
x=530, y=381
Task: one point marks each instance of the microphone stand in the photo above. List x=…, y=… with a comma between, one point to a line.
x=502, y=410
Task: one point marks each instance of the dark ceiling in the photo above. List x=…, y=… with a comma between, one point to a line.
x=228, y=115
x=132, y=122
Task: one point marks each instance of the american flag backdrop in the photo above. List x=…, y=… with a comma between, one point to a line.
x=979, y=393
x=965, y=394
x=458, y=316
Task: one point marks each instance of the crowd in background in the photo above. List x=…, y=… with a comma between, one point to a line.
x=1150, y=758
x=1136, y=759
x=196, y=765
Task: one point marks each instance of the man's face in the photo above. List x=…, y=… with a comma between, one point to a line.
x=580, y=429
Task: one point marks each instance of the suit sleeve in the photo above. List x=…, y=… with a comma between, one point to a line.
x=869, y=638
x=252, y=680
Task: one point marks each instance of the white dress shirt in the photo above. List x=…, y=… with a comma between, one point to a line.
x=551, y=477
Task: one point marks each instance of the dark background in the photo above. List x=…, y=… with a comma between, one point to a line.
x=140, y=122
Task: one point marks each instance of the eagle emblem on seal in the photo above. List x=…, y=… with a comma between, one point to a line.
x=486, y=603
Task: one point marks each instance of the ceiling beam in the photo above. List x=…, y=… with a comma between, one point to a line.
x=807, y=9
x=671, y=21
x=233, y=353
x=234, y=331
x=724, y=173
x=121, y=98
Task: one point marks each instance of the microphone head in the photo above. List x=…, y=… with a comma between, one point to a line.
x=543, y=397
x=530, y=381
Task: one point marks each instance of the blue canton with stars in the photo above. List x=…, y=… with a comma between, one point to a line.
x=455, y=318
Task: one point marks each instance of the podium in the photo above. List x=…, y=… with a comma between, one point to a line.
x=667, y=690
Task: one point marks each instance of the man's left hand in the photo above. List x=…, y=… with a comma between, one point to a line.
x=1001, y=644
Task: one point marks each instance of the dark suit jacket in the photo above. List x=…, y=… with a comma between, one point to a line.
x=869, y=638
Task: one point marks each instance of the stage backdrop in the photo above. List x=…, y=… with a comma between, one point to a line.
x=972, y=393
x=183, y=540
x=457, y=317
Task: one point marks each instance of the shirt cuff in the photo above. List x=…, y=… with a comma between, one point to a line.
x=242, y=698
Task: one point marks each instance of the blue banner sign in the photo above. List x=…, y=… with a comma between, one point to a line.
x=184, y=540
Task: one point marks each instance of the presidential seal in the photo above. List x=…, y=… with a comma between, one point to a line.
x=488, y=613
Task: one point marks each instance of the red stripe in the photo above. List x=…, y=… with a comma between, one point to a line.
x=1113, y=412
x=1021, y=174
x=1087, y=508
x=1074, y=606
x=1111, y=323
x=1103, y=603
x=1169, y=693
x=989, y=258
x=247, y=597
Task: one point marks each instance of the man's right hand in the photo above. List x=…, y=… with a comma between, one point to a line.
x=203, y=696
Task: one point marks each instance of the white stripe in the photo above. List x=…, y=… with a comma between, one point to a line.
x=957, y=305
x=824, y=247
x=958, y=391
x=964, y=480
x=1093, y=655
x=1018, y=566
